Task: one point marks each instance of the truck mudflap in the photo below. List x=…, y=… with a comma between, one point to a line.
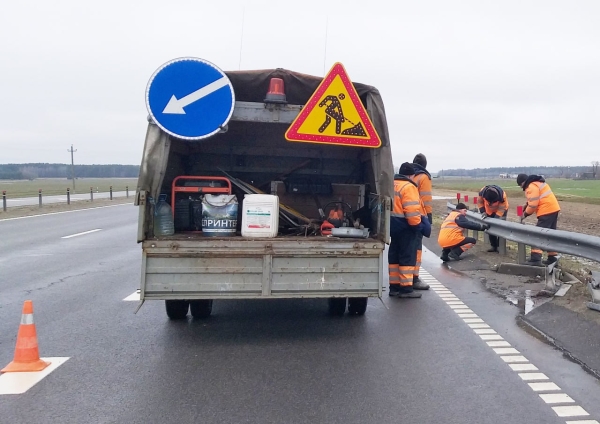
x=267, y=268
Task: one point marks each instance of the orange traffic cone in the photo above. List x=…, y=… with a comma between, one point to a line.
x=27, y=355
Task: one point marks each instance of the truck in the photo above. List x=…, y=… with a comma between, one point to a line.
x=250, y=155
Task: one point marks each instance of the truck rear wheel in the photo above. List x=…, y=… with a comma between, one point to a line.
x=357, y=305
x=337, y=306
x=201, y=308
x=177, y=309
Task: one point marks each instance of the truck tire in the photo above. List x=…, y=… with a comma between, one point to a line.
x=201, y=308
x=357, y=305
x=177, y=309
x=337, y=306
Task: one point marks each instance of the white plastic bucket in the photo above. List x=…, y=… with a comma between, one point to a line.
x=260, y=215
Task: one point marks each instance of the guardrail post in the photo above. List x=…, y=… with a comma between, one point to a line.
x=4, y=200
x=127, y=191
x=92, y=194
x=521, y=253
x=475, y=232
x=502, y=245
x=40, y=196
x=68, y=196
x=110, y=192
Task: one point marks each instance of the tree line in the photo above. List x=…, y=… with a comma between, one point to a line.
x=547, y=171
x=31, y=171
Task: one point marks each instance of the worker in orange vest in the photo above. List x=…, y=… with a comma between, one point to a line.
x=452, y=238
x=407, y=220
x=492, y=202
x=423, y=180
x=542, y=202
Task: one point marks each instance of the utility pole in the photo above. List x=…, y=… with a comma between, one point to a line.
x=72, y=166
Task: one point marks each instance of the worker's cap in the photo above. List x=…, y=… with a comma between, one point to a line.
x=491, y=195
x=420, y=159
x=521, y=178
x=406, y=169
x=461, y=206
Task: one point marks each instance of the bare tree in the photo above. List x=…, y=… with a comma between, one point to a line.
x=595, y=167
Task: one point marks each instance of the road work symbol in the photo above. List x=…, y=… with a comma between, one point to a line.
x=336, y=100
x=190, y=98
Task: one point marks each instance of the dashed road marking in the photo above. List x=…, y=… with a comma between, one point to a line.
x=518, y=363
x=16, y=383
x=81, y=234
x=133, y=296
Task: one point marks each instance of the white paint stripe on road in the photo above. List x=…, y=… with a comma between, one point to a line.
x=81, y=234
x=16, y=383
x=518, y=363
x=523, y=367
x=133, y=296
x=58, y=213
x=543, y=387
x=556, y=398
x=570, y=411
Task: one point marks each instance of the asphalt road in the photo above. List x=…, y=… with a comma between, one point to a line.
x=410, y=361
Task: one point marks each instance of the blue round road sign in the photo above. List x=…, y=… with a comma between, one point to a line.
x=190, y=98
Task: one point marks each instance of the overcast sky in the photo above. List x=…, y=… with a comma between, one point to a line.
x=468, y=83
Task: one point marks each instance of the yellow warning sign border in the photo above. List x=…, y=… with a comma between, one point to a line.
x=292, y=134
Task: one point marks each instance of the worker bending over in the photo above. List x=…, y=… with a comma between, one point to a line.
x=542, y=202
x=452, y=238
x=492, y=202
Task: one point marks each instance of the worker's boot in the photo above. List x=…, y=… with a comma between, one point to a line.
x=535, y=260
x=551, y=259
x=418, y=284
x=409, y=295
x=493, y=249
x=455, y=254
x=394, y=290
x=444, y=256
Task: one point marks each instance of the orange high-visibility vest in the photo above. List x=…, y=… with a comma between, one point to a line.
x=498, y=208
x=407, y=203
x=450, y=233
x=425, y=191
x=540, y=199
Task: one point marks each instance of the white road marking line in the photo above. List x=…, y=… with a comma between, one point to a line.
x=523, y=367
x=556, y=398
x=543, y=387
x=491, y=337
x=506, y=351
x=501, y=343
x=511, y=356
x=133, y=296
x=16, y=383
x=515, y=358
x=570, y=411
x=58, y=213
x=531, y=376
x=484, y=331
x=81, y=234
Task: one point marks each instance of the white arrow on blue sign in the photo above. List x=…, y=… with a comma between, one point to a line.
x=190, y=98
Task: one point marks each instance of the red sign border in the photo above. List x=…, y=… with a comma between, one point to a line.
x=337, y=70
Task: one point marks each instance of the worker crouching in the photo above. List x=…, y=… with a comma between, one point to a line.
x=452, y=238
x=408, y=220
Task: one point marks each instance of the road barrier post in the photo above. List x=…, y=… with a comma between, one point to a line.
x=92, y=194
x=40, y=196
x=68, y=196
x=127, y=191
x=475, y=232
x=521, y=250
x=110, y=192
x=4, y=200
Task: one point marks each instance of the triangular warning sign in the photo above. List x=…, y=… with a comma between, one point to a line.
x=334, y=114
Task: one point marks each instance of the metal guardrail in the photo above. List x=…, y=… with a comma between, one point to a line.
x=567, y=242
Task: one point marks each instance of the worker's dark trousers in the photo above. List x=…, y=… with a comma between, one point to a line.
x=461, y=247
x=402, y=257
x=544, y=221
x=419, y=255
x=494, y=240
